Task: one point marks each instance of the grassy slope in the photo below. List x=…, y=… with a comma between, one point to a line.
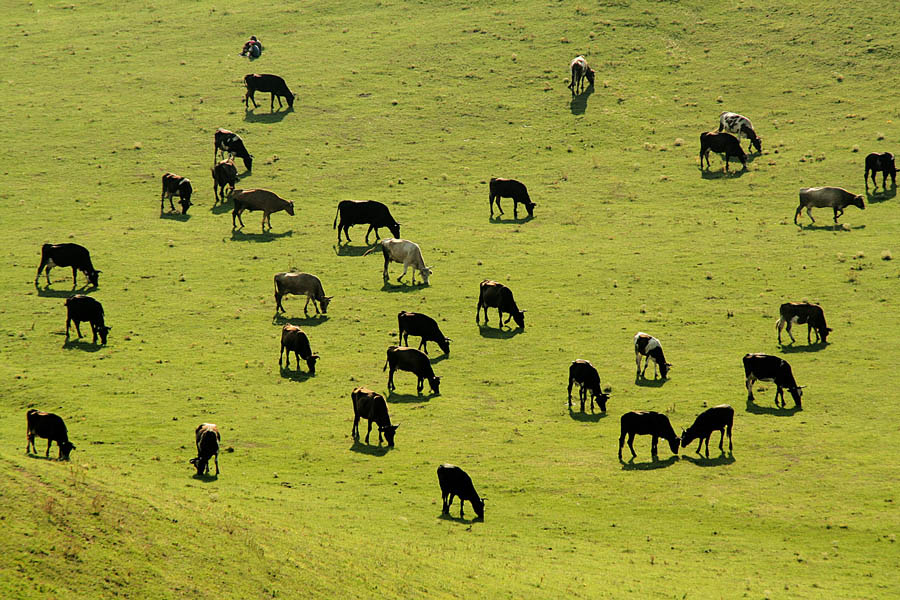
x=629, y=236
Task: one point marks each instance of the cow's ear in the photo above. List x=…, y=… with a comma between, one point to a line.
x=329, y=297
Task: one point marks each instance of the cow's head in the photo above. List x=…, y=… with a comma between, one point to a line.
x=478, y=505
x=519, y=318
x=395, y=229
x=93, y=276
x=248, y=163
x=290, y=206
x=425, y=273
x=823, y=333
x=673, y=444
x=601, y=399
x=757, y=143
x=103, y=331
x=664, y=369
x=389, y=433
x=202, y=464
x=311, y=363
x=64, y=450
x=590, y=75
x=185, y=204
x=444, y=345
x=435, y=383
x=529, y=206
x=324, y=303
x=797, y=394
x=858, y=201
x=687, y=437
x=290, y=100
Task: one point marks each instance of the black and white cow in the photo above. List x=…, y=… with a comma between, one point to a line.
x=585, y=375
x=741, y=127
x=84, y=308
x=364, y=212
x=456, y=482
x=231, y=143
x=648, y=346
x=765, y=367
x=791, y=313
x=884, y=162
x=717, y=418
x=410, y=323
x=176, y=185
x=67, y=255
x=580, y=71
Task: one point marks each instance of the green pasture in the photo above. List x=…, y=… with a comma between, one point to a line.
x=418, y=105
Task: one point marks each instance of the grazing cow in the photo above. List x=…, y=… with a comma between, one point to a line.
x=741, y=127
x=456, y=482
x=580, y=70
x=273, y=84
x=84, y=308
x=364, y=212
x=405, y=252
x=649, y=346
x=510, y=188
x=371, y=406
x=799, y=313
x=414, y=361
x=176, y=185
x=52, y=428
x=230, y=142
x=410, y=323
x=67, y=255
x=884, y=162
x=647, y=422
x=765, y=367
x=301, y=284
x=264, y=200
x=293, y=339
x=721, y=143
x=492, y=294
x=208, y=438
x=585, y=375
x=827, y=197
x=223, y=174
x=717, y=418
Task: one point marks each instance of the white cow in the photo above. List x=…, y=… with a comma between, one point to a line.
x=405, y=252
x=740, y=126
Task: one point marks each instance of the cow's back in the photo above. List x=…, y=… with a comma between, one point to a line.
x=299, y=283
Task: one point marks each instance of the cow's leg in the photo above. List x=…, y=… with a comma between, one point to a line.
x=866, y=178
x=837, y=213
x=368, y=431
x=445, y=508
x=423, y=345
x=272, y=102
x=779, y=391
x=699, y=446
x=264, y=221
x=216, y=458
x=420, y=383
x=790, y=322
x=384, y=273
x=583, y=394
x=730, y=427
x=49, y=441
x=354, y=431
x=653, y=449
x=809, y=332
x=637, y=360
x=391, y=378
x=306, y=306
x=707, y=444
x=368, y=231
x=621, y=443
x=809, y=212
x=721, y=441
x=749, y=384
x=78, y=328
x=571, y=382
x=405, y=266
x=281, y=353
x=296, y=359
x=94, y=331
x=631, y=444
x=515, y=208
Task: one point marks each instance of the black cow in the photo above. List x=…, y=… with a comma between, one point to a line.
x=176, y=185
x=84, y=308
x=267, y=83
x=717, y=418
x=67, y=255
x=370, y=405
x=884, y=162
x=293, y=339
x=649, y=346
x=765, y=367
x=492, y=294
x=52, y=428
x=510, y=188
x=640, y=422
x=585, y=375
x=364, y=212
x=456, y=482
x=414, y=361
x=803, y=312
x=230, y=142
x=207, y=438
x=223, y=174
x=721, y=142
x=410, y=323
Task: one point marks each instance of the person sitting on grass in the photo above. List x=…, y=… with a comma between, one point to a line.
x=252, y=48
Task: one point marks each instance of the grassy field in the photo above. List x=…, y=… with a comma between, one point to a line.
x=417, y=105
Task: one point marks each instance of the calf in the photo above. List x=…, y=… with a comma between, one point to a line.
x=301, y=284
x=273, y=84
x=223, y=174
x=509, y=188
x=264, y=200
x=580, y=70
x=791, y=313
x=405, y=252
x=492, y=294
x=410, y=323
x=827, y=197
x=641, y=422
x=765, y=367
x=84, y=308
x=52, y=428
x=230, y=142
x=585, y=375
x=67, y=255
x=364, y=212
x=741, y=127
x=456, y=482
x=207, y=437
x=176, y=185
x=721, y=143
x=293, y=339
x=414, y=361
x=649, y=347
x=884, y=162
x=371, y=406
x=717, y=418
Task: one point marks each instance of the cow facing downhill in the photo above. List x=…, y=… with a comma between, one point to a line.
x=301, y=284
x=224, y=175
x=717, y=418
x=266, y=82
x=406, y=253
x=231, y=143
x=721, y=143
x=364, y=212
x=580, y=71
x=50, y=427
x=262, y=200
x=176, y=185
x=67, y=255
x=293, y=339
x=765, y=367
x=207, y=438
x=416, y=362
x=827, y=197
x=884, y=162
x=370, y=405
x=410, y=323
x=583, y=373
x=741, y=127
x=640, y=422
x=509, y=188
x=648, y=346
x=456, y=482
x=492, y=294
x=81, y=308
x=791, y=313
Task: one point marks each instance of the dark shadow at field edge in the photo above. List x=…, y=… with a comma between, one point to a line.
x=395, y=398
x=585, y=417
x=578, y=105
x=221, y=206
x=41, y=457
x=514, y=221
x=205, y=478
x=651, y=383
x=46, y=292
x=347, y=250
x=81, y=344
x=174, y=216
x=495, y=333
x=449, y=517
x=654, y=463
x=308, y=321
x=756, y=409
x=267, y=236
x=362, y=448
x=814, y=347
x=831, y=227
x=702, y=461
x=707, y=174
x=403, y=287
x=295, y=375
x=886, y=194
x=271, y=117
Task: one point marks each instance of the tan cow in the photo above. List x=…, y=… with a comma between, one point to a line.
x=827, y=197
x=264, y=200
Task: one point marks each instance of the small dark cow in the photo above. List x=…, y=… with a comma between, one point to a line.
x=647, y=422
x=301, y=284
x=765, y=367
x=231, y=143
x=492, y=294
x=510, y=188
x=207, y=437
x=410, y=323
x=223, y=174
x=799, y=313
x=293, y=339
x=456, y=482
x=717, y=418
x=273, y=84
x=364, y=212
x=84, y=308
x=648, y=346
x=827, y=197
x=262, y=200
x=67, y=255
x=721, y=143
x=884, y=162
x=414, y=361
x=585, y=375
x=741, y=127
x=50, y=427
x=580, y=70
x=371, y=406
x=176, y=185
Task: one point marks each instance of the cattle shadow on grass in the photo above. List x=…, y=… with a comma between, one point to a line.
x=222, y=206
x=830, y=227
x=299, y=376
x=578, y=105
x=395, y=398
x=81, y=344
x=363, y=448
x=498, y=220
x=46, y=292
x=498, y=332
x=306, y=321
x=174, y=216
x=402, y=287
x=721, y=174
x=586, y=417
x=756, y=409
x=205, y=478
x=266, y=236
x=793, y=348
x=650, y=383
x=655, y=463
x=271, y=117
x=702, y=461
x=886, y=194
x=348, y=250
x=450, y=517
